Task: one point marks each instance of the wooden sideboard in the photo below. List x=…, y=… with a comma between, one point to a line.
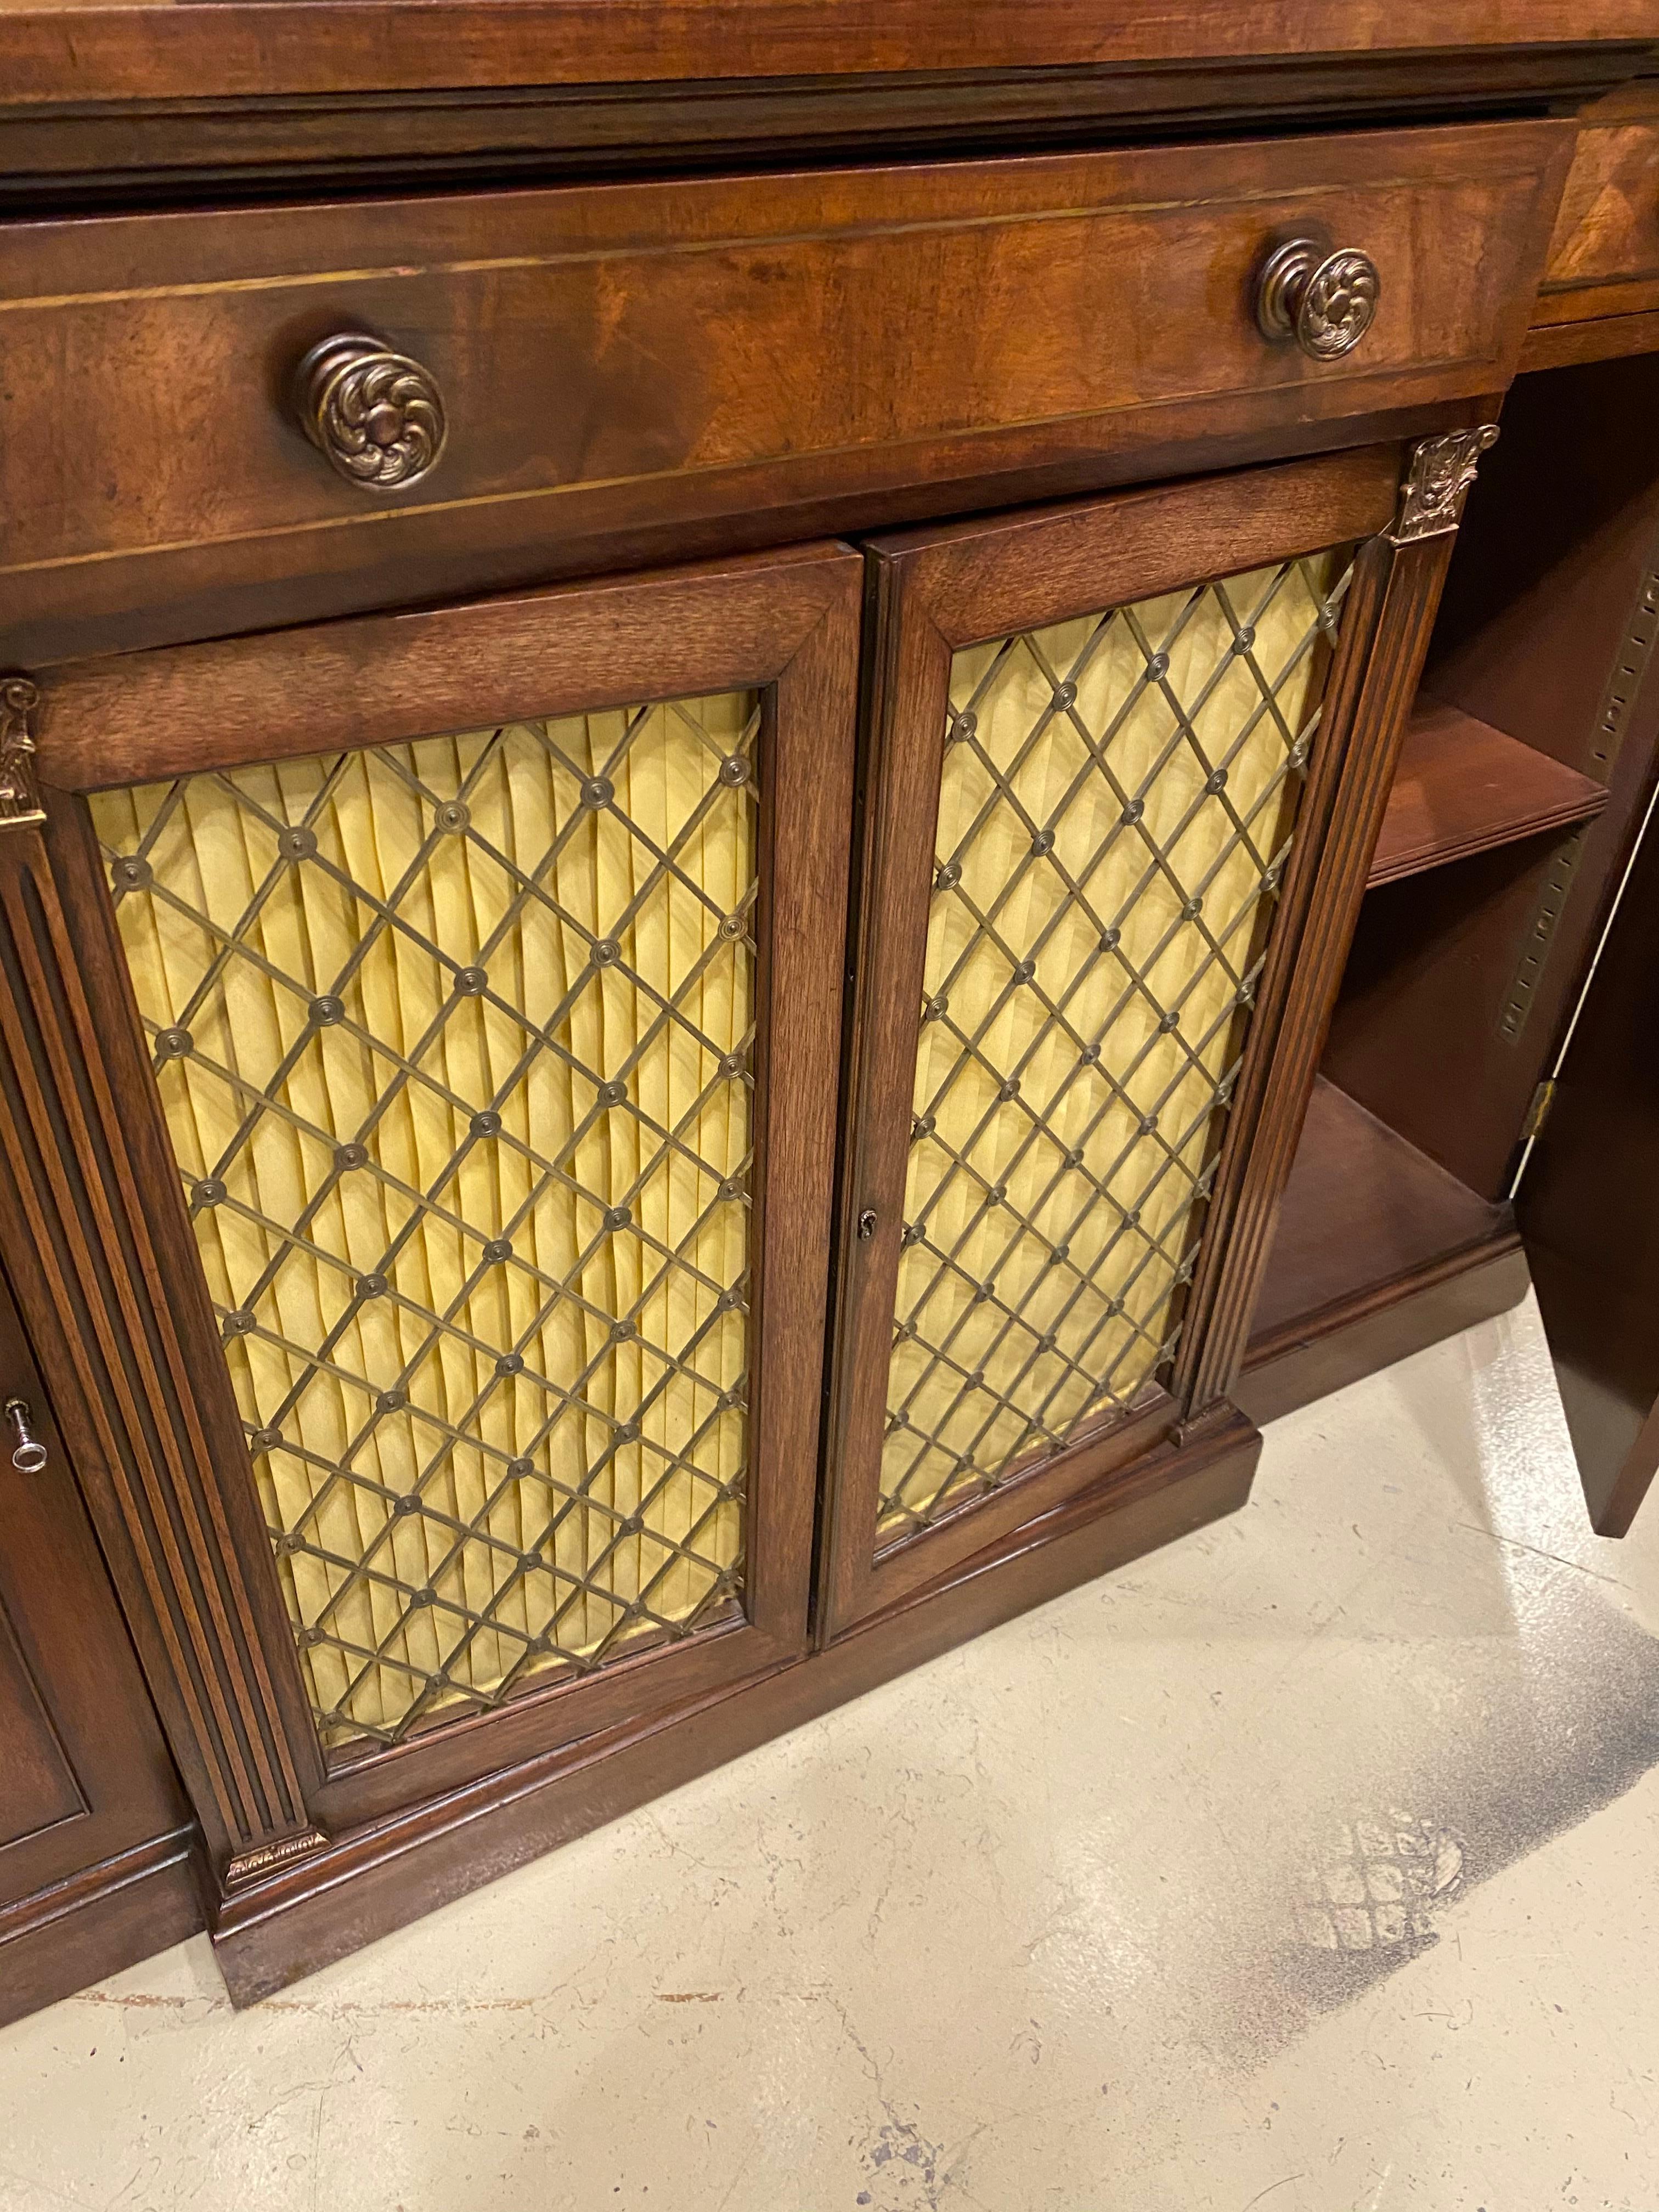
x=787, y=794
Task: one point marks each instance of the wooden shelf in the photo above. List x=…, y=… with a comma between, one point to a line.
x=1463, y=786
x=1378, y=1252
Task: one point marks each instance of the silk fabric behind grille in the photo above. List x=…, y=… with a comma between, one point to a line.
x=453, y=1040
x=1118, y=799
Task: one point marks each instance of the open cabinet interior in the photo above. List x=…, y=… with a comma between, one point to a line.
x=1521, y=787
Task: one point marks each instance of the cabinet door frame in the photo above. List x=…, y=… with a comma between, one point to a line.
x=101, y=1234
x=934, y=592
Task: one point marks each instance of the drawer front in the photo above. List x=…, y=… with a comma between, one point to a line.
x=616, y=359
x=1604, y=255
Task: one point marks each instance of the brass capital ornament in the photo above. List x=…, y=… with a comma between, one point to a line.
x=20, y=799
x=1437, y=483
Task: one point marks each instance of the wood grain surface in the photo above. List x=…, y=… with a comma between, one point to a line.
x=1462, y=787
x=625, y=357
x=1378, y=1252
x=93, y=52
x=1607, y=227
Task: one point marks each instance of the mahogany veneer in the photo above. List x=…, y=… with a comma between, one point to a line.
x=619, y=358
x=1604, y=257
x=108, y=54
x=697, y=282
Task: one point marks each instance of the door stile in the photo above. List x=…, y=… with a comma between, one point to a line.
x=1398, y=578
x=899, y=788
x=806, y=827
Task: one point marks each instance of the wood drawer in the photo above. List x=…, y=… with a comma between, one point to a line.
x=620, y=363
x=1604, y=255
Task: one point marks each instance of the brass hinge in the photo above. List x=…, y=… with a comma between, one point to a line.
x=20, y=801
x=1538, y=1112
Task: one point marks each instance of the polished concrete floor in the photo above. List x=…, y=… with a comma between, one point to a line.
x=1312, y=1864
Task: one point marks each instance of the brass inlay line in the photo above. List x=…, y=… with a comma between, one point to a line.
x=623, y=250
x=1456, y=362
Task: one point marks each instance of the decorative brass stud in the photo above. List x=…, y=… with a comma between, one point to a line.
x=376, y=415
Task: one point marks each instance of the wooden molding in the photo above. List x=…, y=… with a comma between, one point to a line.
x=1385, y=1322
x=266, y=1858
x=1605, y=337
x=358, y=138
x=103, y=1919
x=157, y=52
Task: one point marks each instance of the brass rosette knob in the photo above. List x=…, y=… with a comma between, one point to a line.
x=1324, y=299
x=376, y=415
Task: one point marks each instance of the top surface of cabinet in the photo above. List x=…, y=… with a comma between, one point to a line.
x=81, y=52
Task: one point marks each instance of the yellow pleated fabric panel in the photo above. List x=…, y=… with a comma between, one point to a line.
x=453, y=1040
x=1118, y=798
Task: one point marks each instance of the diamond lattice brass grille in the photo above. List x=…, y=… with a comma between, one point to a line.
x=454, y=1044
x=1118, y=801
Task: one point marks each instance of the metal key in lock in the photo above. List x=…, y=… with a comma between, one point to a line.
x=29, y=1454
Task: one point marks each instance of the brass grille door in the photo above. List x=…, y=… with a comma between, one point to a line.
x=1088, y=815
x=503, y=1198
x=455, y=1044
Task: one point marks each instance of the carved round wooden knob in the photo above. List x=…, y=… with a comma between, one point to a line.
x=377, y=415
x=1325, y=301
